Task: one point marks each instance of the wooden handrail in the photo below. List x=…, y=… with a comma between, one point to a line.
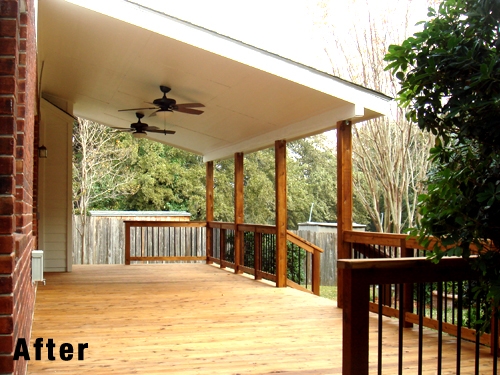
x=384, y=239
x=304, y=244
x=359, y=274
x=158, y=224
x=221, y=225
x=257, y=228
x=165, y=224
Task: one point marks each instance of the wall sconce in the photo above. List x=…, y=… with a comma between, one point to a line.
x=42, y=152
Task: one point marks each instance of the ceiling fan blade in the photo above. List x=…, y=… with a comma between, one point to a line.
x=188, y=110
x=135, y=109
x=191, y=105
x=149, y=128
x=124, y=130
x=161, y=131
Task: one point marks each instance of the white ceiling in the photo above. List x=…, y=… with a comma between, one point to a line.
x=117, y=54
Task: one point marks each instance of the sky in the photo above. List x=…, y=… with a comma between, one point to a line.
x=296, y=29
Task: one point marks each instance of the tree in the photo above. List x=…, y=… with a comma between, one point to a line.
x=166, y=178
x=390, y=153
x=100, y=172
x=450, y=83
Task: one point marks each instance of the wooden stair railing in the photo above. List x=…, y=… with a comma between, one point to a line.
x=316, y=253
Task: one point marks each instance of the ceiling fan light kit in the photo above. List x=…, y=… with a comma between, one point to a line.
x=139, y=135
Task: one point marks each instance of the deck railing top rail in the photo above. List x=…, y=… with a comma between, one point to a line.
x=165, y=224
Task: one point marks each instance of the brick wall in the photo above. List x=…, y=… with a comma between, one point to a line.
x=17, y=158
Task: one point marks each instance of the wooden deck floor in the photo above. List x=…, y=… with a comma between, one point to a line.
x=198, y=319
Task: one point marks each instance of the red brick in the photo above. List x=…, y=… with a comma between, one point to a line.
x=6, y=324
x=24, y=18
x=6, y=266
x=8, y=9
x=22, y=58
x=6, y=284
x=8, y=28
x=22, y=45
x=6, y=244
x=21, y=97
x=7, y=66
x=7, y=185
x=23, y=32
x=6, y=106
x=7, y=126
x=20, y=167
x=7, y=205
x=6, y=304
x=8, y=46
x=6, y=344
x=21, y=111
x=7, y=363
x=7, y=165
x=6, y=226
x=21, y=76
x=20, y=125
x=21, y=84
x=7, y=85
x=7, y=146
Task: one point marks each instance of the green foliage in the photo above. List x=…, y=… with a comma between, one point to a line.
x=450, y=82
x=167, y=178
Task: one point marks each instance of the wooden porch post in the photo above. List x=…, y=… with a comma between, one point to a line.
x=209, y=198
x=238, y=210
x=344, y=199
x=281, y=213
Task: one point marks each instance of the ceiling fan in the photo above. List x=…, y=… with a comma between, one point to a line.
x=139, y=128
x=165, y=106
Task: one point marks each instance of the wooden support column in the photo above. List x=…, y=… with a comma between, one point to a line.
x=238, y=210
x=209, y=198
x=281, y=213
x=344, y=198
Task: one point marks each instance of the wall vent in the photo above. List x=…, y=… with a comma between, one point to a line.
x=37, y=266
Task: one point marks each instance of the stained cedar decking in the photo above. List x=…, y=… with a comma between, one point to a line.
x=198, y=319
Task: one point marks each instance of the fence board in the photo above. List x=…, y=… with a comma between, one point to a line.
x=105, y=241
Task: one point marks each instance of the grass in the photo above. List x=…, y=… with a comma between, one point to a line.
x=329, y=292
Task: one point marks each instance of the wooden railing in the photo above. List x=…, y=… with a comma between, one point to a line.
x=183, y=241
x=259, y=254
x=164, y=241
x=416, y=291
x=371, y=245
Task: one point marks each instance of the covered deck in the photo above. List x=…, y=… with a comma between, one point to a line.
x=199, y=319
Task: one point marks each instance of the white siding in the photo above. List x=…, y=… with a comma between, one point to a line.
x=54, y=208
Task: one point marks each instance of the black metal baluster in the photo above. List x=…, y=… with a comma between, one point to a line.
x=421, y=309
x=478, y=334
x=495, y=341
x=440, y=326
x=380, y=312
x=401, y=325
x=459, y=323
